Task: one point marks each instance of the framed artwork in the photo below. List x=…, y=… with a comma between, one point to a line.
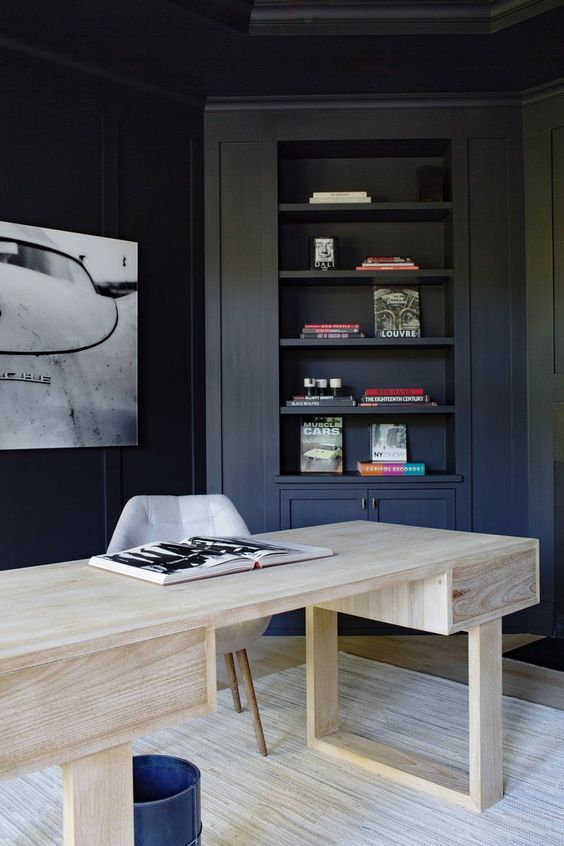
x=68, y=339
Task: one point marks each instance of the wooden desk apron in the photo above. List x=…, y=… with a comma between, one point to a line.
x=90, y=660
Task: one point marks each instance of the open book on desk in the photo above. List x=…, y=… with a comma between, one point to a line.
x=202, y=557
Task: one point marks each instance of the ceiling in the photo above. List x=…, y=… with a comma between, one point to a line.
x=237, y=48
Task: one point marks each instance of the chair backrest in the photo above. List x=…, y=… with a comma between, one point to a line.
x=171, y=518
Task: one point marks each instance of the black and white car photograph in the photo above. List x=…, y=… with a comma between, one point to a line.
x=68, y=339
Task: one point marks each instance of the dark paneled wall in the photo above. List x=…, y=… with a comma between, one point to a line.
x=544, y=196
x=83, y=153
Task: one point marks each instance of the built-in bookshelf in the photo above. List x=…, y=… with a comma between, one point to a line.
x=395, y=222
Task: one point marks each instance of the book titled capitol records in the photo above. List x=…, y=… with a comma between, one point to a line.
x=321, y=445
x=396, y=312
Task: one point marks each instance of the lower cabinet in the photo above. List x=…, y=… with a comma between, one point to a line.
x=314, y=506
x=309, y=505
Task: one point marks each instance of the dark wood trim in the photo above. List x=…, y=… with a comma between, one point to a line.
x=319, y=17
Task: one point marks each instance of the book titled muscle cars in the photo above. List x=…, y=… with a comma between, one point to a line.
x=203, y=557
x=321, y=445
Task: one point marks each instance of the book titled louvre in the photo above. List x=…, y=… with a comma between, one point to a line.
x=396, y=312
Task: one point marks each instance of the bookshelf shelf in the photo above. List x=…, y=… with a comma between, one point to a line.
x=336, y=410
x=401, y=212
x=364, y=277
x=383, y=343
x=354, y=478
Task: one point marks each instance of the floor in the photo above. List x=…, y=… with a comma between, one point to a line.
x=432, y=654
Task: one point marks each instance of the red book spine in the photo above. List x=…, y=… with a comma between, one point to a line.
x=331, y=325
x=394, y=392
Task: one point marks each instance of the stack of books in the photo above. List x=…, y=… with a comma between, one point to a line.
x=376, y=263
x=340, y=197
x=395, y=397
x=334, y=331
x=388, y=450
x=320, y=401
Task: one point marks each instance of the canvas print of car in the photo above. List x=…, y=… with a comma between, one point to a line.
x=68, y=339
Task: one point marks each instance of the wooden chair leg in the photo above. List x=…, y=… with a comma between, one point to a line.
x=252, y=699
x=233, y=683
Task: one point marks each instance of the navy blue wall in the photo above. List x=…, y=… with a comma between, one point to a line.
x=81, y=152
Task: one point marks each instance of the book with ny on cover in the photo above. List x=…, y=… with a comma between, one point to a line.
x=202, y=557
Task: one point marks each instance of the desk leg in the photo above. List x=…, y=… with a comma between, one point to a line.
x=485, y=703
x=321, y=673
x=98, y=799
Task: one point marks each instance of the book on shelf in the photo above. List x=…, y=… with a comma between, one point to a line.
x=376, y=392
x=323, y=252
x=343, y=199
x=330, y=194
x=331, y=336
x=202, y=557
x=390, y=468
x=323, y=327
x=321, y=402
x=321, y=445
x=316, y=330
x=402, y=399
x=388, y=442
x=419, y=405
x=388, y=263
x=396, y=312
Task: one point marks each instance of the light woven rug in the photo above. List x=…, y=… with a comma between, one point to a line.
x=297, y=796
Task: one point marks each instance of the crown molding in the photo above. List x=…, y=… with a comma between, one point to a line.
x=232, y=13
x=381, y=101
x=392, y=17
x=543, y=92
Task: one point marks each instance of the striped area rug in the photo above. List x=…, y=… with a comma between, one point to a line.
x=297, y=796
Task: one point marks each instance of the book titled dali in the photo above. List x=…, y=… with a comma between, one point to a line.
x=203, y=557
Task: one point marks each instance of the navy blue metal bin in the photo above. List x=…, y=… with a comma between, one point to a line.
x=166, y=801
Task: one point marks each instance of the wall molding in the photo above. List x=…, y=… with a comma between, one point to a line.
x=380, y=101
x=332, y=17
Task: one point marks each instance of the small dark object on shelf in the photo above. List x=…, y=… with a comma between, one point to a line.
x=430, y=184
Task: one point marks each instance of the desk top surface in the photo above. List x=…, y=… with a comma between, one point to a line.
x=58, y=610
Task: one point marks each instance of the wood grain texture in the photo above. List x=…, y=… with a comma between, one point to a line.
x=404, y=768
x=82, y=705
x=119, y=610
x=420, y=604
x=481, y=591
x=485, y=717
x=98, y=799
x=321, y=673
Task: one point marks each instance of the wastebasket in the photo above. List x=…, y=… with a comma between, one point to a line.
x=166, y=801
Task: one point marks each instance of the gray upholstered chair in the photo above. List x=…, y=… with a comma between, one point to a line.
x=171, y=518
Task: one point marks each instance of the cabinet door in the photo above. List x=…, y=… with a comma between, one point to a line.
x=315, y=507
x=431, y=509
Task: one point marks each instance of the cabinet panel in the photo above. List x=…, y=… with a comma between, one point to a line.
x=431, y=509
x=316, y=507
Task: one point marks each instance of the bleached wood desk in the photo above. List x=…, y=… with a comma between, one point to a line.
x=90, y=660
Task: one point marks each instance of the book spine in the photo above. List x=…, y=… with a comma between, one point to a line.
x=333, y=336
x=378, y=268
x=320, y=404
x=340, y=199
x=390, y=469
x=405, y=399
x=350, y=331
x=396, y=392
x=340, y=194
x=323, y=326
x=387, y=260
x=395, y=405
